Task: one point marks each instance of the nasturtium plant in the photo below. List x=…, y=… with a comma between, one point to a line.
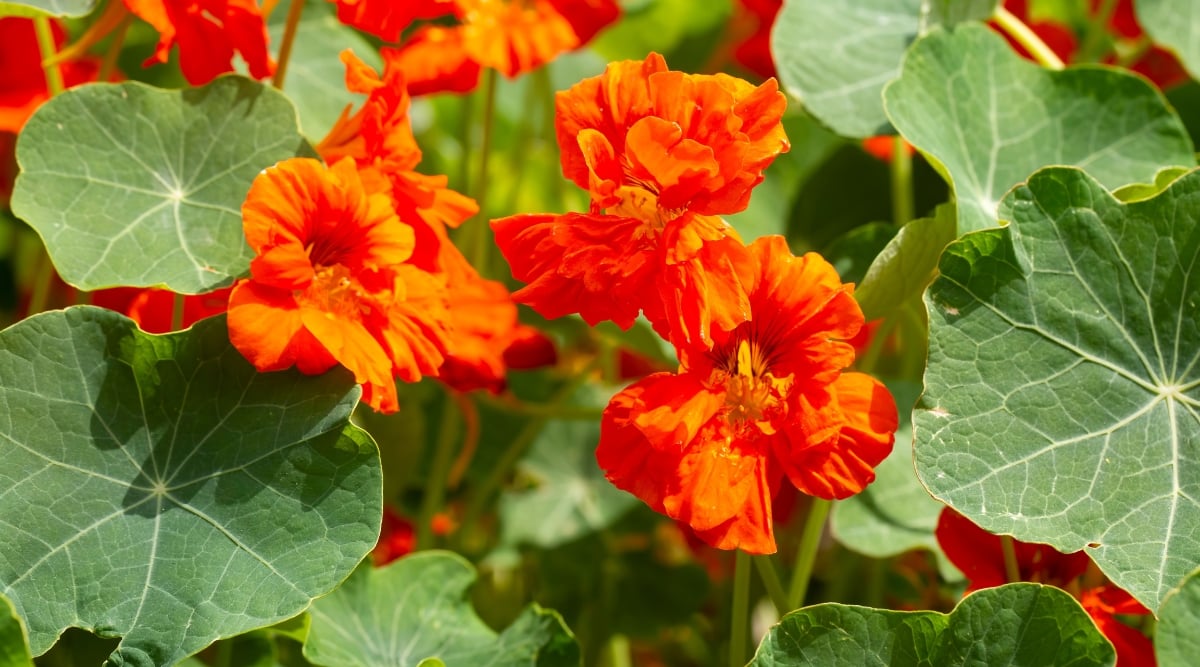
x=132, y=185
x=415, y=610
x=14, y=647
x=1017, y=624
x=160, y=490
x=991, y=118
x=64, y=8
x=1062, y=388
x=1177, y=635
x=1174, y=24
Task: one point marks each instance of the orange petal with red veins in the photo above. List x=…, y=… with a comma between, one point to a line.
x=266, y=327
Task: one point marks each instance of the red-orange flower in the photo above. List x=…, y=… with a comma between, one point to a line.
x=754, y=19
x=208, y=33
x=712, y=444
x=1103, y=604
x=386, y=19
x=152, y=309
x=662, y=154
x=510, y=36
x=335, y=281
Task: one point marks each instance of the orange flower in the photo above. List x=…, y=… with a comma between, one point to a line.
x=1103, y=603
x=712, y=444
x=334, y=281
x=208, y=33
x=152, y=309
x=662, y=154
x=510, y=36
x=755, y=18
x=386, y=19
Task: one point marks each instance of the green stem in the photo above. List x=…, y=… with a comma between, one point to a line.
x=810, y=540
x=225, y=653
x=45, y=41
x=1012, y=571
x=616, y=652
x=740, y=612
x=439, y=468
x=114, y=49
x=1016, y=28
x=1092, y=48
x=177, y=313
x=41, y=284
x=285, y=46
x=902, y=186
x=482, y=247
x=770, y=579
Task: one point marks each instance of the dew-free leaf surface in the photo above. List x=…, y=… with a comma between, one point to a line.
x=992, y=118
x=1018, y=624
x=415, y=610
x=1062, y=394
x=159, y=489
x=1177, y=635
x=133, y=185
x=906, y=264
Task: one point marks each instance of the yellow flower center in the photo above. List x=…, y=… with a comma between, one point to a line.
x=752, y=392
x=641, y=203
x=334, y=291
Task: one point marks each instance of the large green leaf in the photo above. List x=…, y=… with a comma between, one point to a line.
x=64, y=8
x=133, y=185
x=1017, y=624
x=992, y=118
x=565, y=494
x=414, y=609
x=159, y=489
x=1062, y=395
x=1174, y=24
x=953, y=12
x=836, y=57
x=14, y=646
x=1177, y=636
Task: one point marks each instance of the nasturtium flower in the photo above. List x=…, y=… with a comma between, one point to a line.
x=509, y=36
x=386, y=19
x=334, y=281
x=752, y=24
x=208, y=33
x=153, y=309
x=768, y=404
x=662, y=154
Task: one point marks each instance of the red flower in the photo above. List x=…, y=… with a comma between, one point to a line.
x=208, y=33
x=152, y=309
x=397, y=537
x=756, y=18
x=662, y=154
x=882, y=147
x=1103, y=603
x=712, y=444
x=386, y=19
x=335, y=281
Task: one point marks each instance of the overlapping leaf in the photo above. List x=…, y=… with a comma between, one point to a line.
x=63, y=8
x=1176, y=25
x=159, y=489
x=1017, y=624
x=131, y=185
x=991, y=118
x=14, y=647
x=1062, y=400
x=906, y=264
x=1177, y=635
x=414, y=610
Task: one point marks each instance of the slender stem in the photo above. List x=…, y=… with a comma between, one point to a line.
x=435, y=484
x=482, y=247
x=616, y=652
x=902, y=185
x=41, y=284
x=1012, y=571
x=285, y=47
x=470, y=414
x=810, y=540
x=1093, y=40
x=114, y=49
x=467, y=114
x=177, y=313
x=1016, y=28
x=770, y=579
x=45, y=41
x=740, y=612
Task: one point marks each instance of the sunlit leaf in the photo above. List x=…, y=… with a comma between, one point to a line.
x=132, y=185
x=1174, y=24
x=14, y=646
x=1062, y=395
x=62, y=8
x=159, y=489
x=1138, y=191
x=992, y=118
x=1018, y=624
x=906, y=265
x=1177, y=635
x=835, y=57
x=415, y=609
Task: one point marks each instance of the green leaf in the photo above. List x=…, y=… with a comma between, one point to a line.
x=133, y=185
x=991, y=118
x=564, y=489
x=1062, y=395
x=953, y=12
x=14, y=646
x=836, y=57
x=906, y=265
x=1139, y=191
x=61, y=8
x=1017, y=624
x=316, y=75
x=415, y=609
x=1177, y=635
x=159, y=489
x=1174, y=24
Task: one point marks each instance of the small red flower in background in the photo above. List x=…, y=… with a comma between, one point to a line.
x=509, y=36
x=712, y=444
x=662, y=154
x=980, y=556
x=386, y=19
x=755, y=18
x=152, y=309
x=335, y=281
x=397, y=537
x=208, y=33
x=882, y=147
